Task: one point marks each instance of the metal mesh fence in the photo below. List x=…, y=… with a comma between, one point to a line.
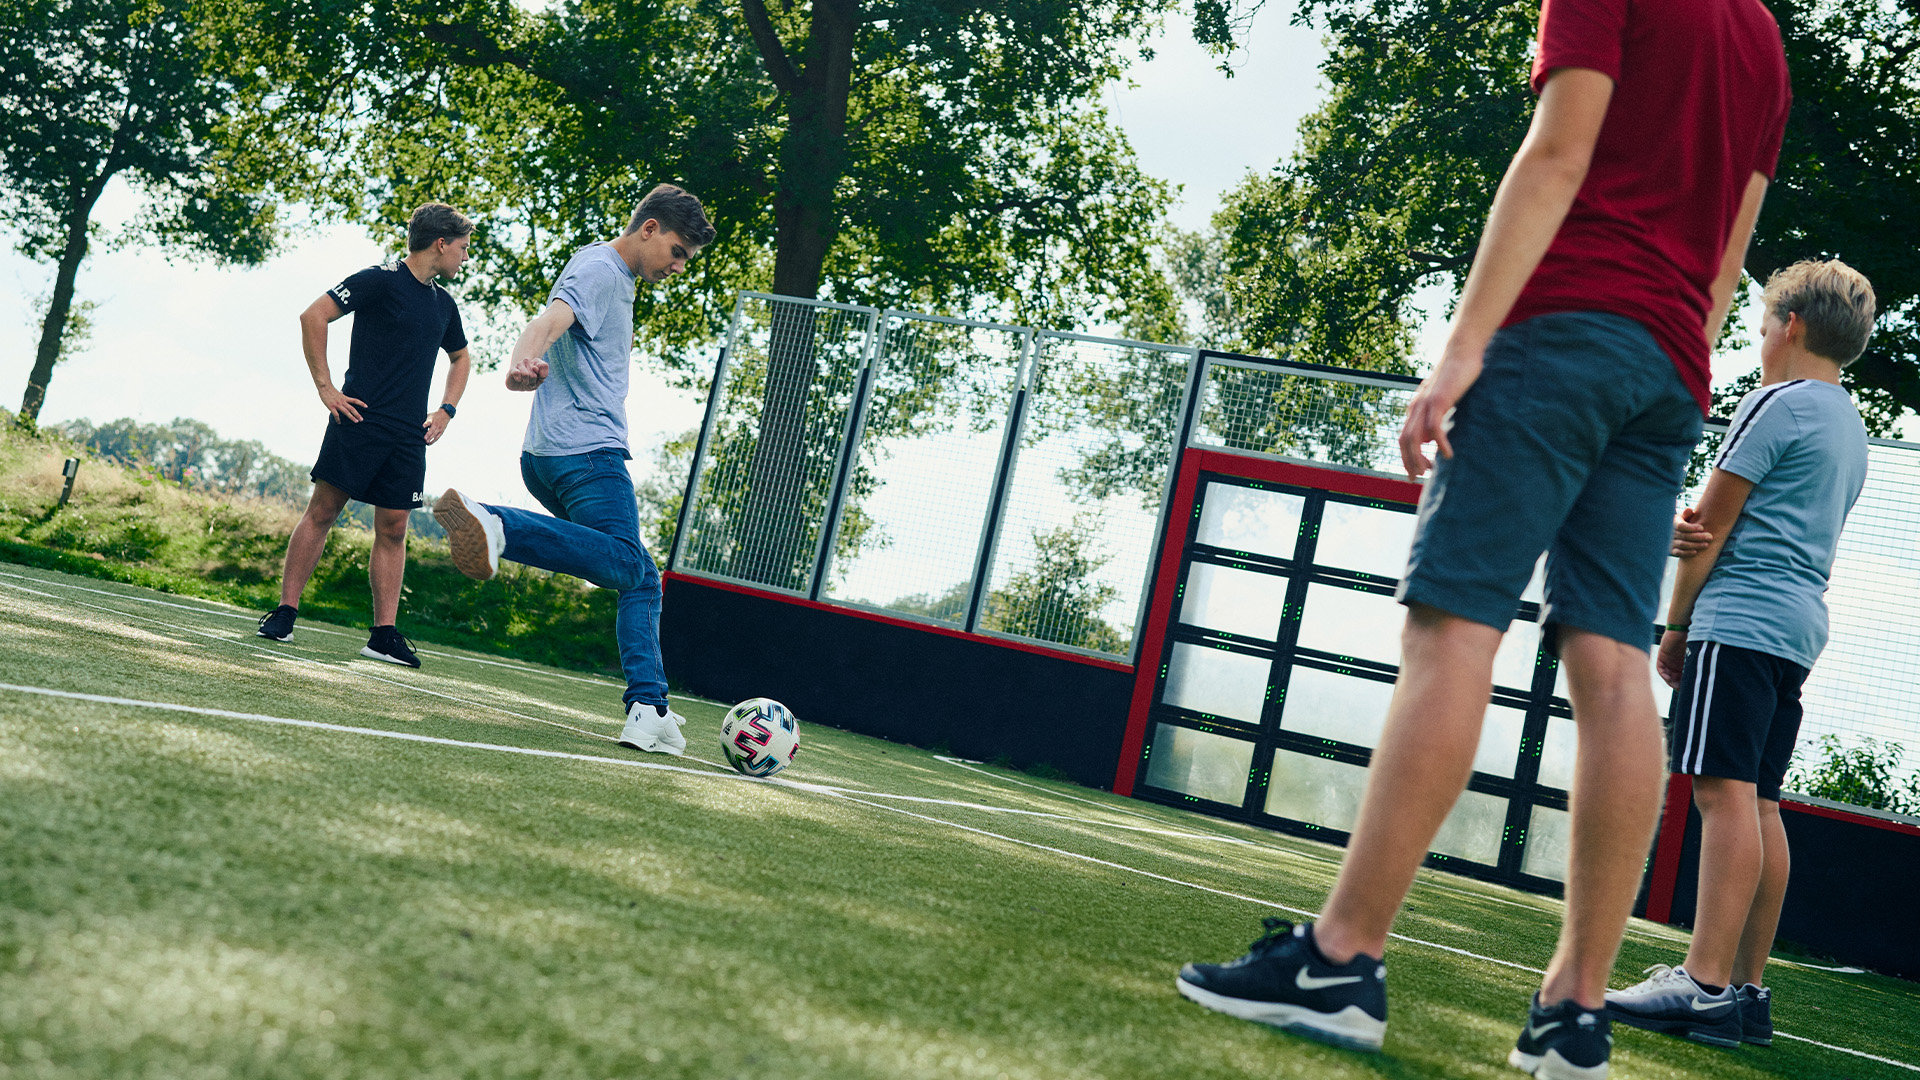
x=1084, y=500
x=1324, y=418
x=930, y=442
x=762, y=486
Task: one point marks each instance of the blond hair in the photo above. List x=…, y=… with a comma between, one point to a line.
x=1834, y=300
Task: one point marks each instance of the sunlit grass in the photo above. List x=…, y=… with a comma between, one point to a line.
x=196, y=896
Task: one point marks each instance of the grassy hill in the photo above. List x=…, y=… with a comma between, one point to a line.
x=130, y=525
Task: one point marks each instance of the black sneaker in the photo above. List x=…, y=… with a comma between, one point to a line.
x=278, y=623
x=1565, y=1042
x=1671, y=1002
x=389, y=644
x=1283, y=981
x=1756, y=1015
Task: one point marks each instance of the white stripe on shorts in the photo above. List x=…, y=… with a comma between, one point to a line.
x=1695, y=756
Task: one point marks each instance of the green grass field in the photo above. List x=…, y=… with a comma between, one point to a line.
x=199, y=886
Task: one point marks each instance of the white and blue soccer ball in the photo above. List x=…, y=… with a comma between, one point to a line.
x=759, y=737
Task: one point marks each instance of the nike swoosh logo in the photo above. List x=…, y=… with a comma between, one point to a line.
x=1307, y=982
x=1536, y=1032
x=1698, y=1007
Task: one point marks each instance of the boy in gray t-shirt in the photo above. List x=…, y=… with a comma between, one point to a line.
x=574, y=357
x=1747, y=620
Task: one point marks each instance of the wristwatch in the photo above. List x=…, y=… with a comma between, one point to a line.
x=448, y=409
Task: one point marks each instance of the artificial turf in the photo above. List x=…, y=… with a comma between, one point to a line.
x=186, y=894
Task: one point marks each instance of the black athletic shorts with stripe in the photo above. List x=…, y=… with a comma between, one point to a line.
x=1736, y=714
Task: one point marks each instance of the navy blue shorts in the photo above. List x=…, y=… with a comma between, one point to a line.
x=376, y=465
x=1573, y=441
x=1736, y=714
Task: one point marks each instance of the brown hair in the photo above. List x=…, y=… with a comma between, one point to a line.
x=436, y=221
x=677, y=211
x=1833, y=299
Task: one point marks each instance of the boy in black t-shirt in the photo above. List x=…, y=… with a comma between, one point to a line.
x=375, y=448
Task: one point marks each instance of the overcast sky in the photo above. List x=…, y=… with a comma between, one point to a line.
x=181, y=339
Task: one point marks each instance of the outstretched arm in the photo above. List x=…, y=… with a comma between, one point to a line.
x=528, y=369
x=1533, y=200
x=1720, y=506
x=1720, y=296
x=313, y=343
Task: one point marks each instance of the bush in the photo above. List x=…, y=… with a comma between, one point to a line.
x=1864, y=775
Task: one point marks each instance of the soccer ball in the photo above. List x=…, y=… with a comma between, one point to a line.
x=759, y=737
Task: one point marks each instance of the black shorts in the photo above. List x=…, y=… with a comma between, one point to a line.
x=1736, y=714
x=376, y=465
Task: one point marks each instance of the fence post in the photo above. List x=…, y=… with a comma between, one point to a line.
x=699, y=454
x=1191, y=398
x=70, y=470
x=1002, y=478
x=849, y=447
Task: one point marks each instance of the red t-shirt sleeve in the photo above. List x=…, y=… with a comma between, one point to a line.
x=1580, y=33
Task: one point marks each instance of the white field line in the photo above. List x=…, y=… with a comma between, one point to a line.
x=321, y=630
x=840, y=793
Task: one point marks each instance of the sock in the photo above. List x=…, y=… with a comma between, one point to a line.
x=1708, y=988
x=1313, y=949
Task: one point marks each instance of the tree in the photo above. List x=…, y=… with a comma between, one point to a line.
x=946, y=155
x=1057, y=598
x=98, y=89
x=1428, y=100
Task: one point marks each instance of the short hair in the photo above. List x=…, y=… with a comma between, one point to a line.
x=1834, y=300
x=678, y=211
x=436, y=221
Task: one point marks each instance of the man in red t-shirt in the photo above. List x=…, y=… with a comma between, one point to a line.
x=1563, y=408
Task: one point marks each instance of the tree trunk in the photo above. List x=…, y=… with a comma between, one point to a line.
x=54, y=328
x=772, y=548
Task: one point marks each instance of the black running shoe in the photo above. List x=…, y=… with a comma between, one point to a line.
x=278, y=623
x=1282, y=981
x=1670, y=1002
x=1565, y=1042
x=389, y=644
x=1756, y=1015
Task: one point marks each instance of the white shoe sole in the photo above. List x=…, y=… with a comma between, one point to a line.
x=1351, y=1027
x=367, y=651
x=466, y=537
x=1551, y=1066
x=657, y=748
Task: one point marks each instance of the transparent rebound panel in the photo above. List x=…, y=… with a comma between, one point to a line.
x=1300, y=415
x=1199, y=763
x=1549, y=843
x=1083, y=504
x=1318, y=791
x=1250, y=520
x=1233, y=601
x=1473, y=828
x=930, y=442
x=766, y=477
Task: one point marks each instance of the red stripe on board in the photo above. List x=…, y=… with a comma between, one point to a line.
x=1147, y=673
x=1666, y=854
x=1285, y=472
x=874, y=616
x=1850, y=817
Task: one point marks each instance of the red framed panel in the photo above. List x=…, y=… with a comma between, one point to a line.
x=890, y=620
x=1153, y=637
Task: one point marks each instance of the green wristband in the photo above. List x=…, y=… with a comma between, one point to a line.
x=1680, y=626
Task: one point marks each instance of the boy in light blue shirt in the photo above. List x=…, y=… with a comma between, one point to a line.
x=574, y=357
x=1747, y=621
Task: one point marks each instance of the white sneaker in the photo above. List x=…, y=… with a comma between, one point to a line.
x=475, y=534
x=647, y=730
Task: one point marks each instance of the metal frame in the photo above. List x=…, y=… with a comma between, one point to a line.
x=843, y=467
x=700, y=451
x=1016, y=424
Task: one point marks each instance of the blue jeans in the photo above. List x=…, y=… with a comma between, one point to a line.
x=594, y=535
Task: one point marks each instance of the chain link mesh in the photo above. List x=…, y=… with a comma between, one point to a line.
x=1083, y=503
x=768, y=470
x=1301, y=415
x=911, y=525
